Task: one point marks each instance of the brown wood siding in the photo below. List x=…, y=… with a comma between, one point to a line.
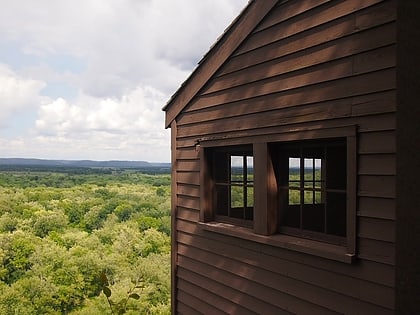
x=308, y=65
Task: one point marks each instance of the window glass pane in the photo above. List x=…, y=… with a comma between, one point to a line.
x=237, y=196
x=236, y=168
x=309, y=168
x=250, y=196
x=318, y=197
x=308, y=197
x=294, y=172
x=294, y=197
x=294, y=184
x=250, y=168
x=318, y=174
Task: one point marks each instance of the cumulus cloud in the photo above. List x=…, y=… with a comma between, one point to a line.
x=122, y=42
x=111, y=124
x=105, y=68
x=17, y=93
x=133, y=113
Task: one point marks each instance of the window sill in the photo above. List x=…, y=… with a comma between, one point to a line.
x=324, y=250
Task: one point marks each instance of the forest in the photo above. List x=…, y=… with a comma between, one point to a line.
x=84, y=241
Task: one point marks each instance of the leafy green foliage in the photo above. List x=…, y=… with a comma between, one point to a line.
x=121, y=306
x=93, y=243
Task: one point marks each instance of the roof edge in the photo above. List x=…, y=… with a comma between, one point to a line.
x=219, y=52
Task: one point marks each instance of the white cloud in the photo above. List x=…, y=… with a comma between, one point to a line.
x=108, y=125
x=122, y=41
x=17, y=93
x=135, y=112
x=106, y=67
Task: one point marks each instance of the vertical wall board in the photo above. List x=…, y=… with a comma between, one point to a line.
x=408, y=159
x=174, y=206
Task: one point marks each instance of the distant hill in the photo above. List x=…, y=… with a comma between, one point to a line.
x=80, y=163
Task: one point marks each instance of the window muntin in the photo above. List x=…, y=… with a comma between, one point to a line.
x=234, y=184
x=305, y=181
x=312, y=190
x=271, y=172
x=241, y=182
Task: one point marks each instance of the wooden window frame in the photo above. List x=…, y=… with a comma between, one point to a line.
x=220, y=184
x=302, y=151
x=265, y=227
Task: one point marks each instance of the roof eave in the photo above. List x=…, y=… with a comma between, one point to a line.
x=225, y=45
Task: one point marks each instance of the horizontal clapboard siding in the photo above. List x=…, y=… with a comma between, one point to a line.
x=288, y=278
x=308, y=65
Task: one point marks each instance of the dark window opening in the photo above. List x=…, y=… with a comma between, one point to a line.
x=301, y=186
x=312, y=188
x=234, y=183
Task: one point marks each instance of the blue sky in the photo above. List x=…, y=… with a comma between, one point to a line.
x=87, y=79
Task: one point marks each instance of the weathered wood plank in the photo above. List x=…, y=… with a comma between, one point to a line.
x=381, y=208
x=198, y=306
x=282, y=300
x=376, y=186
x=337, y=18
x=366, y=124
x=219, y=303
x=377, y=164
x=188, y=190
x=282, y=284
x=377, y=229
x=382, y=252
x=368, y=104
x=188, y=202
x=358, y=48
x=285, y=10
x=377, y=142
x=366, y=291
x=189, y=153
x=327, y=32
x=260, y=255
x=237, y=296
x=338, y=84
x=191, y=178
x=323, y=52
x=308, y=113
x=374, y=60
x=259, y=95
x=186, y=226
x=188, y=165
x=375, y=103
x=184, y=309
x=186, y=214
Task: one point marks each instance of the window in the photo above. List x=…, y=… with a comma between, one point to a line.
x=232, y=173
x=312, y=189
x=298, y=194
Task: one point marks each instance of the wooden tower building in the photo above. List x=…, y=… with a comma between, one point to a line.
x=296, y=166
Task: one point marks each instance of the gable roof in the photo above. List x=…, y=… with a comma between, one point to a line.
x=234, y=35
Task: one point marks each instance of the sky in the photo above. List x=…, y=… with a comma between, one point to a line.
x=87, y=79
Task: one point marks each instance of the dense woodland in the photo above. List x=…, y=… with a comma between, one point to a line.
x=84, y=241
